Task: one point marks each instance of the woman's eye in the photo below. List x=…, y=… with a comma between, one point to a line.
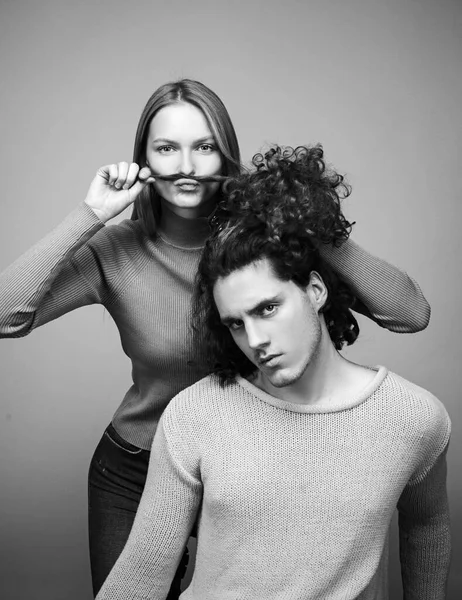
x=206, y=148
x=164, y=149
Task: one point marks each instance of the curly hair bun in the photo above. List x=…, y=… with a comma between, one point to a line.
x=290, y=193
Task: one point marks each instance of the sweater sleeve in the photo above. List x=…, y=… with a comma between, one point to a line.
x=384, y=293
x=165, y=517
x=424, y=535
x=45, y=282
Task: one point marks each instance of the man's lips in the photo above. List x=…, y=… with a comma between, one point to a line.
x=267, y=360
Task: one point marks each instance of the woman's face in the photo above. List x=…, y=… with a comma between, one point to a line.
x=180, y=142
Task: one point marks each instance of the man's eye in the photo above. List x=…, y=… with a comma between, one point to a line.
x=269, y=309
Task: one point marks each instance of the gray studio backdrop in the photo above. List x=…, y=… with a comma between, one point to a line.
x=378, y=82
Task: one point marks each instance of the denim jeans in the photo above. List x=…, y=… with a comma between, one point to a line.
x=115, y=484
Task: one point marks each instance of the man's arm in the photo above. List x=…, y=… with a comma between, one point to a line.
x=424, y=535
x=164, y=519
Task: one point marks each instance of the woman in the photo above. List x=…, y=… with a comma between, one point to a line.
x=142, y=272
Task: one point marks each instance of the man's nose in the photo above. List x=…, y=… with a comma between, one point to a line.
x=256, y=337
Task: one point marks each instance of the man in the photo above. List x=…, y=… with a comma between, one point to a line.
x=292, y=458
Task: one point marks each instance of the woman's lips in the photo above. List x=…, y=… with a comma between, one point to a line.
x=187, y=185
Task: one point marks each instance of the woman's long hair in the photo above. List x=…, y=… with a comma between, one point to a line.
x=147, y=206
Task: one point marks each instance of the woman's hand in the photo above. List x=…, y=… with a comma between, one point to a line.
x=115, y=187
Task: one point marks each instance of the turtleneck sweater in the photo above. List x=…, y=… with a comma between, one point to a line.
x=146, y=284
x=294, y=501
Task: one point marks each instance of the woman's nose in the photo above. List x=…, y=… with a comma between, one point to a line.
x=187, y=165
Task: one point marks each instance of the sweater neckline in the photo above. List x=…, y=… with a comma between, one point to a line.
x=366, y=392
x=181, y=232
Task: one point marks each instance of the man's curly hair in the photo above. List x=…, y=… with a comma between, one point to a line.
x=281, y=211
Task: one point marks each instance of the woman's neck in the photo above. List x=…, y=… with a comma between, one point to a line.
x=181, y=231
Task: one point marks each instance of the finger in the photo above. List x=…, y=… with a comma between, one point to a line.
x=146, y=175
x=112, y=172
x=122, y=168
x=132, y=175
x=136, y=188
x=104, y=173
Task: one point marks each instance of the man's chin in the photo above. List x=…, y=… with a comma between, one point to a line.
x=282, y=379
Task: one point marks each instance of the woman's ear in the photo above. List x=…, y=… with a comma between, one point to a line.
x=317, y=290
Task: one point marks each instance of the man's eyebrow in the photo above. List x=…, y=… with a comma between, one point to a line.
x=227, y=321
x=263, y=304
x=255, y=310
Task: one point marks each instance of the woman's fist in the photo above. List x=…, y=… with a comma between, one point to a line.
x=115, y=187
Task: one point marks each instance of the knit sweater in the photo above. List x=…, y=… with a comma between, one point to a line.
x=146, y=285
x=294, y=501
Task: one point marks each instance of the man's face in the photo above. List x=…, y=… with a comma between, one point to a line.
x=275, y=323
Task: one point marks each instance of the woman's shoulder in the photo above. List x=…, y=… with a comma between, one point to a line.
x=126, y=231
x=118, y=242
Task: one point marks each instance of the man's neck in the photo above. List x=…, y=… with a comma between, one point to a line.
x=329, y=379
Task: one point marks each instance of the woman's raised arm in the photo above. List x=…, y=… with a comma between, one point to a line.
x=46, y=282
x=386, y=294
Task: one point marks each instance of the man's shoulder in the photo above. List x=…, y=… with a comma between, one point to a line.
x=420, y=407
x=205, y=394
x=406, y=389
x=200, y=410
x=210, y=384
